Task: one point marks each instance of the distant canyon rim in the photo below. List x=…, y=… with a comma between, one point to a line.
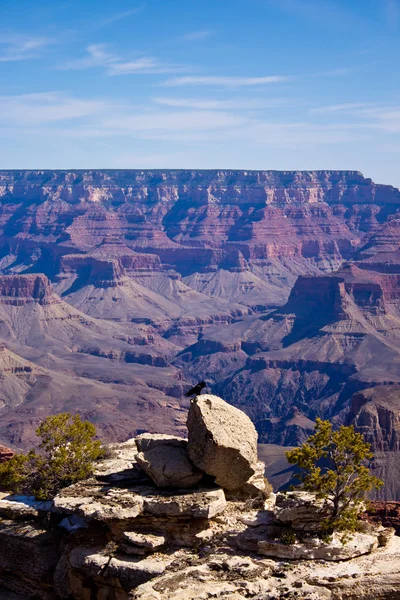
x=120, y=289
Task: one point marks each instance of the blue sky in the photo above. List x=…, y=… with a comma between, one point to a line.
x=254, y=84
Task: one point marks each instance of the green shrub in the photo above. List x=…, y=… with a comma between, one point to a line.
x=288, y=537
x=333, y=466
x=65, y=455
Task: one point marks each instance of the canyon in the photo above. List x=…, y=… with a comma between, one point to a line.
x=119, y=290
x=163, y=517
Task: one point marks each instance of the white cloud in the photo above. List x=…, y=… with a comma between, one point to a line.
x=55, y=114
x=144, y=65
x=340, y=71
x=174, y=121
x=21, y=47
x=45, y=108
x=122, y=15
x=194, y=36
x=223, y=81
x=98, y=55
x=369, y=115
x=210, y=104
x=342, y=107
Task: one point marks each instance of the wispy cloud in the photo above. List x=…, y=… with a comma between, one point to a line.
x=161, y=121
x=368, y=115
x=332, y=108
x=211, y=104
x=223, y=81
x=146, y=64
x=193, y=36
x=98, y=55
x=21, y=47
x=340, y=71
x=121, y=15
x=48, y=114
x=45, y=108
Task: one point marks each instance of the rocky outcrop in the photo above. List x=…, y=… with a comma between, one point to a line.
x=222, y=441
x=5, y=454
x=145, y=543
x=301, y=510
x=211, y=218
x=20, y=289
x=375, y=414
x=165, y=460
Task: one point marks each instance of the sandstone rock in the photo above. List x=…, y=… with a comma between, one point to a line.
x=140, y=543
x=164, y=459
x=222, y=441
x=149, y=441
x=385, y=535
x=316, y=549
x=302, y=510
x=22, y=507
x=101, y=503
x=132, y=572
x=91, y=560
x=204, y=504
x=124, y=572
x=255, y=487
x=5, y=454
x=28, y=555
x=120, y=467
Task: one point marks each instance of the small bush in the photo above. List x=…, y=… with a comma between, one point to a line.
x=65, y=455
x=288, y=537
x=333, y=466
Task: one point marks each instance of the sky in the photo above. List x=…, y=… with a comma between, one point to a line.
x=207, y=84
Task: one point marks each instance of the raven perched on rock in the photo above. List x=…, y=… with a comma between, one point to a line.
x=196, y=390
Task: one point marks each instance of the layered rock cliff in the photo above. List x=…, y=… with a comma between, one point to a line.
x=167, y=518
x=120, y=289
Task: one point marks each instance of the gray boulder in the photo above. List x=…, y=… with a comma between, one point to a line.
x=164, y=458
x=222, y=441
x=301, y=510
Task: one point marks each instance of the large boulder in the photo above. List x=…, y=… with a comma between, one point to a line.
x=164, y=458
x=222, y=441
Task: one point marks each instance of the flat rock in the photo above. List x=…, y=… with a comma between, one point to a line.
x=302, y=510
x=10, y=509
x=132, y=572
x=222, y=441
x=121, y=466
x=148, y=441
x=316, y=549
x=103, y=503
x=204, y=504
x=164, y=458
x=140, y=543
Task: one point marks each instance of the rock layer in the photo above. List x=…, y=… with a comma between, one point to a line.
x=121, y=289
x=129, y=540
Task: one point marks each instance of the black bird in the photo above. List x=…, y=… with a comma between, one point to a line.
x=196, y=390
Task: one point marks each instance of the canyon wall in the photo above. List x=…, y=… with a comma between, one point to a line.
x=121, y=289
